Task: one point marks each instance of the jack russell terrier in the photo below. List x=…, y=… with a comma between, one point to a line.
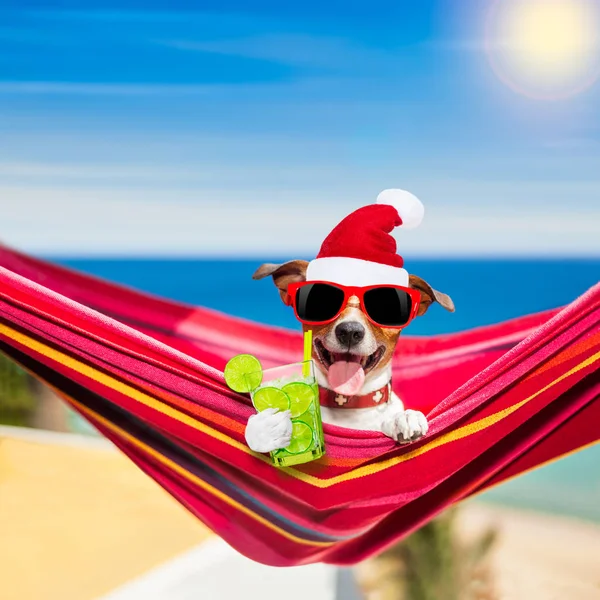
x=356, y=298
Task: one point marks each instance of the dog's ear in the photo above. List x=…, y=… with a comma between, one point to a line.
x=290, y=272
x=429, y=295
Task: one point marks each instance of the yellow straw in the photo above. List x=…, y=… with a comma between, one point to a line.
x=307, y=353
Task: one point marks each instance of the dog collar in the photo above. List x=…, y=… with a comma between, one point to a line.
x=332, y=399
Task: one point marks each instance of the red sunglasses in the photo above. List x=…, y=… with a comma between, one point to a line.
x=321, y=302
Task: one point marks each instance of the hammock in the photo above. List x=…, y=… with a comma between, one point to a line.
x=147, y=373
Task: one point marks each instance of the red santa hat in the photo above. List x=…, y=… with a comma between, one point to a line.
x=360, y=251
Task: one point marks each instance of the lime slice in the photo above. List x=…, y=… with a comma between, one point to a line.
x=270, y=397
x=237, y=370
x=302, y=438
x=301, y=396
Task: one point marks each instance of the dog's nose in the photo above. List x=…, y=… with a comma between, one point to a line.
x=349, y=333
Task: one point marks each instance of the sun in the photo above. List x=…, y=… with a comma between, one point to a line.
x=545, y=48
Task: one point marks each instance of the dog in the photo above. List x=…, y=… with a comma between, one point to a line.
x=351, y=338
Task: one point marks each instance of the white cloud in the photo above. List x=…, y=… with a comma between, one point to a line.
x=195, y=177
x=574, y=143
x=34, y=170
x=512, y=197
x=300, y=50
x=308, y=83
x=219, y=222
x=78, y=221
x=139, y=16
x=458, y=44
x=102, y=89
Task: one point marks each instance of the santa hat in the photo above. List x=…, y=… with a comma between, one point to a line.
x=360, y=251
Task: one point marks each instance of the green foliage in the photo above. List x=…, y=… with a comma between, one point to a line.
x=433, y=563
x=17, y=402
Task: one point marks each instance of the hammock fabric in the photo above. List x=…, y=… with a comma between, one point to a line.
x=147, y=373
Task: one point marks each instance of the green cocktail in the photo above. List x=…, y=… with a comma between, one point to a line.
x=294, y=388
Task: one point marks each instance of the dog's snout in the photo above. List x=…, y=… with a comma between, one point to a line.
x=350, y=333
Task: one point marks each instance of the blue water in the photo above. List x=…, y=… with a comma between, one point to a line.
x=484, y=292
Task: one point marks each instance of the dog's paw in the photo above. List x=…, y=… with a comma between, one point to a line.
x=269, y=430
x=407, y=426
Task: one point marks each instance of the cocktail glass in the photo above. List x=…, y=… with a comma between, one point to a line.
x=294, y=388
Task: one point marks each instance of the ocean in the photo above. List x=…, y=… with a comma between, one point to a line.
x=484, y=292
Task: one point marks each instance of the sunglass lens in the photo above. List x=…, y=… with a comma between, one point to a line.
x=388, y=306
x=318, y=302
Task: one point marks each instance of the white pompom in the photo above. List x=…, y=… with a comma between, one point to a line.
x=409, y=207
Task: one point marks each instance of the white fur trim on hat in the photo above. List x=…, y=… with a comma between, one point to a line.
x=354, y=271
x=409, y=207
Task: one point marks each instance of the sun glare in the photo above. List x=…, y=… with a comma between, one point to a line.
x=545, y=48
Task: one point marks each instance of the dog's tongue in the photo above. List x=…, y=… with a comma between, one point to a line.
x=346, y=378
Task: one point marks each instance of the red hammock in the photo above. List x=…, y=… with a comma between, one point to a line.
x=147, y=373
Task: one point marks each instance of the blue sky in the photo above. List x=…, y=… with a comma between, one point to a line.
x=206, y=128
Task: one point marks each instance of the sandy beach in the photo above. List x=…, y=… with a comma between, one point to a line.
x=539, y=556
x=78, y=519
